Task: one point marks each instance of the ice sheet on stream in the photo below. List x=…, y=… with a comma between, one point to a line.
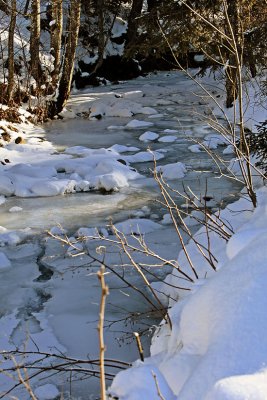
x=23, y=320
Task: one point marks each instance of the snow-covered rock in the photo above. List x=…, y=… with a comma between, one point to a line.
x=172, y=171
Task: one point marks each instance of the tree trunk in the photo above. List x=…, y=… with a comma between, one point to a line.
x=73, y=25
x=4, y=6
x=101, y=33
x=26, y=6
x=56, y=35
x=231, y=82
x=133, y=23
x=35, y=40
x=11, y=32
x=152, y=8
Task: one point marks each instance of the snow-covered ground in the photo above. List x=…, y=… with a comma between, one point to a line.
x=59, y=174
x=217, y=346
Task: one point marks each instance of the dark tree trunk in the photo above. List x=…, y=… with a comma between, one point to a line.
x=4, y=6
x=231, y=82
x=11, y=64
x=35, y=40
x=133, y=23
x=101, y=32
x=56, y=35
x=26, y=8
x=73, y=25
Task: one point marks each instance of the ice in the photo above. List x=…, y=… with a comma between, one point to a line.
x=229, y=149
x=4, y=261
x=167, y=139
x=213, y=324
x=135, y=124
x=137, y=226
x=6, y=186
x=115, y=127
x=195, y=148
x=163, y=102
x=155, y=116
x=166, y=220
x=91, y=232
x=134, y=94
x=13, y=237
x=75, y=249
x=8, y=324
x=170, y=131
x=148, y=136
x=58, y=230
x=149, y=111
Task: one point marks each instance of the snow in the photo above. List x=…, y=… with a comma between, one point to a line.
x=212, y=141
x=118, y=107
x=142, y=385
x=217, y=348
x=206, y=355
x=172, y=171
x=15, y=209
x=119, y=148
x=47, y=392
x=144, y=156
x=2, y=199
x=48, y=173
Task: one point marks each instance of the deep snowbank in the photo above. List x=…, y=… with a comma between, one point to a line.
x=217, y=348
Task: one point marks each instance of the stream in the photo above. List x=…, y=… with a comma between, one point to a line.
x=49, y=301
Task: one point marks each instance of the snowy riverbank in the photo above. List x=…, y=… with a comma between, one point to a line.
x=217, y=346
